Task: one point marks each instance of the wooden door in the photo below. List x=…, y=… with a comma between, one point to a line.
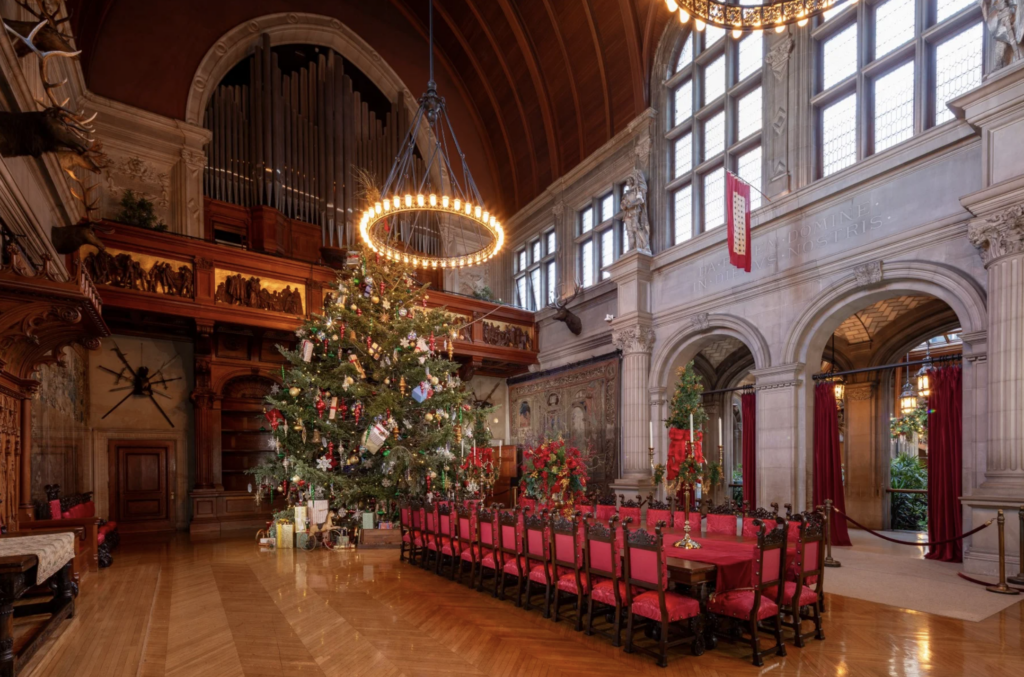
x=141, y=484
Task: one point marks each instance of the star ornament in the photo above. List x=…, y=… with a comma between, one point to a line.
x=323, y=464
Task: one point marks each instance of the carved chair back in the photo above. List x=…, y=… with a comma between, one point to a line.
x=464, y=537
x=645, y=563
x=770, y=559
x=659, y=511
x=601, y=550
x=809, y=561
x=631, y=508
x=510, y=542
x=536, y=546
x=566, y=542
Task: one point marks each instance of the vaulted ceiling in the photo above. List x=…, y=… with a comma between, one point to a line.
x=540, y=84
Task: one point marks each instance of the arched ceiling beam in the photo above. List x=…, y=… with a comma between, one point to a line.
x=568, y=69
x=460, y=84
x=601, y=69
x=632, y=30
x=530, y=55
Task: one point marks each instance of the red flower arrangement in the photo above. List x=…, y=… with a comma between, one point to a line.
x=478, y=472
x=555, y=474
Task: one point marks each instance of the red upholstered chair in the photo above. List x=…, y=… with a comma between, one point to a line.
x=648, y=598
x=430, y=534
x=631, y=508
x=604, y=572
x=405, y=524
x=658, y=511
x=722, y=519
x=567, y=557
x=767, y=516
x=487, y=543
x=445, y=538
x=527, y=503
x=537, y=552
x=512, y=558
x=755, y=604
x=417, y=542
x=465, y=545
x=805, y=576
x=606, y=507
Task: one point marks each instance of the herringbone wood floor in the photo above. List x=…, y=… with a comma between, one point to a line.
x=225, y=608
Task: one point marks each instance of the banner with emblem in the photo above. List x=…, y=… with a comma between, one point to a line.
x=737, y=219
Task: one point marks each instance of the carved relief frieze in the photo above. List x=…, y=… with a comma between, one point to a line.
x=999, y=235
x=237, y=289
x=140, y=272
x=507, y=335
x=868, y=273
x=636, y=339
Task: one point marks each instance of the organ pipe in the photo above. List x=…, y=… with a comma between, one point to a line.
x=291, y=140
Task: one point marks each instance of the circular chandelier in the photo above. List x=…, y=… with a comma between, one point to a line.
x=430, y=213
x=749, y=17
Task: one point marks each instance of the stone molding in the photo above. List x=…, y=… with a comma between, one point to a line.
x=868, y=273
x=859, y=391
x=778, y=57
x=633, y=340
x=998, y=235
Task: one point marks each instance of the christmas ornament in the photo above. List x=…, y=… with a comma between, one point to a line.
x=274, y=417
x=375, y=437
x=451, y=348
x=294, y=391
x=334, y=409
x=401, y=385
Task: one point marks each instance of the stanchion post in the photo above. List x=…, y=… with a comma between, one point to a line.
x=829, y=562
x=1002, y=588
x=1019, y=578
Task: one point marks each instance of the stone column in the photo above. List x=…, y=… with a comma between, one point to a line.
x=636, y=343
x=187, y=179
x=781, y=459
x=864, y=496
x=1000, y=238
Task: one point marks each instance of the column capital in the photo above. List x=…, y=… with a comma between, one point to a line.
x=634, y=339
x=998, y=235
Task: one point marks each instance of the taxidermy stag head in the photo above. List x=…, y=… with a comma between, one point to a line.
x=67, y=239
x=49, y=38
x=55, y=128
x=563, y=314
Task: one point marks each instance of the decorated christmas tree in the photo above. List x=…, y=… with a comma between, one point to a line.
x=687, y=401
x=686, y=459
x=371, y=407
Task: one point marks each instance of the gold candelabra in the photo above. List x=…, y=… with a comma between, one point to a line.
x=687, y=542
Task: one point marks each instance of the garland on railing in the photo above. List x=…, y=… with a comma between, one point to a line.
x=555, y=474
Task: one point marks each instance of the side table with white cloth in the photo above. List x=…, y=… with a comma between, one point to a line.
x=27, y=561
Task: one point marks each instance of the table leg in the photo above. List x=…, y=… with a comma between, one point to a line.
x=64, y=591
x=710, y=621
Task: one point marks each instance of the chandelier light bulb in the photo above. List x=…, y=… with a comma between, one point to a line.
x=433, y=200
x=736, y=33
x=444, y=201
x=698, y=24
x=419, y=200
x=672, y=5
x=684, y=16
x=408, y=200
x=780, y=29
x=457, y=205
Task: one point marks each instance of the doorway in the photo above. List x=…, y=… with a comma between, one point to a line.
x=142, y=477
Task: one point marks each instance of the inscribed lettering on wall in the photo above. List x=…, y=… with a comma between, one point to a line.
x=580, y=402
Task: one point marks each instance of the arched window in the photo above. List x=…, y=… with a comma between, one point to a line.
x=714, y=126
x=885, y=70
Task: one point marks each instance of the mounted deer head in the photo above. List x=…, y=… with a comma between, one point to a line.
x=68, y=239
x=49, y=38
x=563, y=314
x=56, y=128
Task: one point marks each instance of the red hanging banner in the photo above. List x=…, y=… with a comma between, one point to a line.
x=737, y=219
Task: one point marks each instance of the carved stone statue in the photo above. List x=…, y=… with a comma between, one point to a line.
x=634, y=207
x=1005, y=20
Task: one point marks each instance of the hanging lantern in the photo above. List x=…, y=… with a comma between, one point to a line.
x=839, y=386
x=908, y=398
x=924, y=381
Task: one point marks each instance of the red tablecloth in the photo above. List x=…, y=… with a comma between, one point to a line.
x=733, y=557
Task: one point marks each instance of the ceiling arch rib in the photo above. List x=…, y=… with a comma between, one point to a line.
x=572, y=80
x=596, y=40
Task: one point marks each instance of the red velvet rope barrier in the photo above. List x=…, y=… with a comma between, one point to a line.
x=975, y=580
x=929, y=543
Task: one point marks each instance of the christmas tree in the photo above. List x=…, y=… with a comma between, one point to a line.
x=688, y=401
x=371, y=408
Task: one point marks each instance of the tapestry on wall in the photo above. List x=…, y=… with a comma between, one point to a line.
x=59, y=422
x=581, y=403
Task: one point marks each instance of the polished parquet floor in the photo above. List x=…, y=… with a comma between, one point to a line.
x=225, y=608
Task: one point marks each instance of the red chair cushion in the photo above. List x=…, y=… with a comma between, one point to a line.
x=487, y=560
x=405, y=537
x=678, y=606
x=537, y=573
x=512, y=567
x=604, y=591
x=793, y=570
x=55, y=512
x=750, y=531
x=100, y=538
x=807, y=595
x=567, y=582
x=739, y=603
x=108, y=527
x=445, y=543
x=87, y=509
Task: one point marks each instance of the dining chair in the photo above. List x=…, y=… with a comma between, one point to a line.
x=417, y=534
x=465, y=544
x=604, y=572
x=487, y=543
x=799, y=594
x=658, y=511
x=755, y=604
x=537, y=553
x=648, y=596
x=567, y=545
x=607, y=507
x=630, y=508
x=816, y=516
x=722, y=519
x=512, y=563
x=445, y=538
x=430, y=534
x=405, y=524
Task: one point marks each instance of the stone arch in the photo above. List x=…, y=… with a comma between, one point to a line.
x=702, y=326
x=287, y=28
x=847, y=295
x=811, y=332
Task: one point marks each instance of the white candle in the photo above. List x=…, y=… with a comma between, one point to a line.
x=651, y=431
x=692, y=438
x=720, y=438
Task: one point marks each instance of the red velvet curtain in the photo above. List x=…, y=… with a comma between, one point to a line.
x=945, y=452
x=748, y=409
x=828, y=461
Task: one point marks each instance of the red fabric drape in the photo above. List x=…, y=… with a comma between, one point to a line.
x=677, y=441
x=945, y=451
x=748, y=408
x=828, y=462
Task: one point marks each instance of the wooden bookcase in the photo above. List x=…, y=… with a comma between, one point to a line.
x=245, y=441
